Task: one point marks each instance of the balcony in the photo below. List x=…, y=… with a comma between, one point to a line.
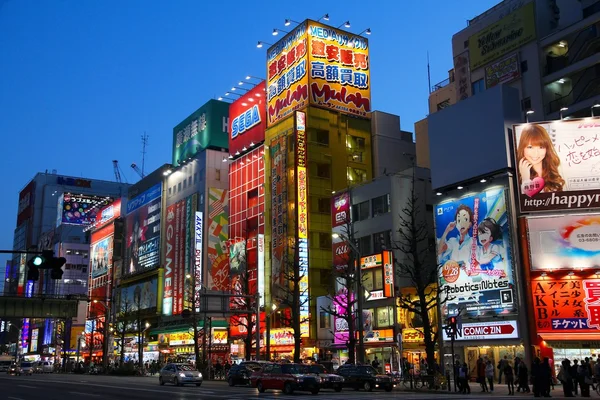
x=577, y=89
x=572, y=49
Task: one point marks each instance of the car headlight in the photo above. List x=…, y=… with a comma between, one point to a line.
x=200, y=374
x=319, y=379
x=299, y=380
x=181, y=374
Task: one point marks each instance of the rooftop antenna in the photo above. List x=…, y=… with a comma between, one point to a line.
x=144, y=144
x=428, y=73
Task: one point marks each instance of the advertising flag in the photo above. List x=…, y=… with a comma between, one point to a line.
x=473, y=247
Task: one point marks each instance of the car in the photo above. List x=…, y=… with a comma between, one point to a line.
x=47, y=367
x=37, y=368
x=287, y=377
x=14, y=369
x=26, y=368
x=179, y=375
x=364, y=377
x=328, y=381
x=239, y=374
x=5, y=362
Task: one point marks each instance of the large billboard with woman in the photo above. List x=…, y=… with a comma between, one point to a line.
x=558, y=165
x=474, y=252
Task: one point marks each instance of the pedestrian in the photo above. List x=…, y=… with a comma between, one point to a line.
x=501, y=364
x=574, y=378
x=564, y=376
x=517, y=365
x=218, y=370
x=585, y=377
x=227, y=367
x=457, y=382
x=535, y=376
x=523, y=378
x=481, y=375
x=509, y=377
x=375, y=364
x=596, y=370
x=489, y=374
x=545, y=377
x=464, y=379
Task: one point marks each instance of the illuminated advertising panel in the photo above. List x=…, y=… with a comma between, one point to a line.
x=25, y=335
x=179, y=255
x=101, y=255
x=237, y=269
x=566, y=304
x=198, y=227
x=564, y=242
x=219, y=335
x=474, y=249
x=508, y=34
x=486, y=331
x=218, y=235
x=278, y=149
x=340, y=209
x=302, y=215
x=25, y=209
x=261, y=268
x=287, y=78
x=109, y=213
x=141, y=296
x=35, y=333
x=142, y=250
x=81, y=209
x=558, y=165
x=339, y=70
x=378, y=275
x=248, y=119
x=503, y=71
x=206, y=128
x=22, y=274
x=320, y=65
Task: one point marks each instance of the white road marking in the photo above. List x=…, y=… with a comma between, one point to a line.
x=15, y=398
x=85, y=394
x=27, y=386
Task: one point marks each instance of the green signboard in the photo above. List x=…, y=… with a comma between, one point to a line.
x=206, y=128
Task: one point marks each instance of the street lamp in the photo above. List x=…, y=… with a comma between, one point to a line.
x=563, y=109
x=360, y=296
x=596, y=105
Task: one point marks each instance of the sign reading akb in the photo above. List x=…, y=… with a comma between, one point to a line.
x=245, y=121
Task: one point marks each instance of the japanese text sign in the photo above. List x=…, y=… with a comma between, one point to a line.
x=247, y=119
x=567, y=305
x=384, y=264
x=558, y=165
x=320, y=65
x=340, y=209
x=508, y=34
x=278, y=153
x=474, y=249
x=502, y=71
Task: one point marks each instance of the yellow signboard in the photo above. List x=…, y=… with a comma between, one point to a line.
x=508, y=34
x=319, y=65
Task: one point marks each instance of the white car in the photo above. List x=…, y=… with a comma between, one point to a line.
x=47, y=367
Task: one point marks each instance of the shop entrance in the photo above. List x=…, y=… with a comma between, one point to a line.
x=492, y=353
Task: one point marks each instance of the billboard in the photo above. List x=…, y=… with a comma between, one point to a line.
x=109, y=213
x=474, y=249
x=218, y=235
x=207, y=127
x=279, y=218
x=180, y=223
x=198, y=257
x=564, y=242
x=566, y=304
x=248, y=119
x=508, y=34
x=340, y=330
x=101, y=255
x=142, y=251
x=378, y=275
x=142, y=295
x=486, y=330
x=302, y=217
x=320, y=65
x=25, y=209
x=340, y=209
x=80, y=209
x=503, y=71
x=558, y=165
x=462, y=76
x=237, y=269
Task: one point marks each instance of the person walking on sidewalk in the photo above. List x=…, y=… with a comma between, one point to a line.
x=481, y=375
x=464, y=379
x=573, y=373
x=457, y=386
x=509, y=377
x=564, y=376
x=501, y=364
x=585, y=377
x=523, y=378
x=489, y=374
x=536, y=377
x=545, y=377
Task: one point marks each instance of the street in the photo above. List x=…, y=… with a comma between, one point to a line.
x=59, y=387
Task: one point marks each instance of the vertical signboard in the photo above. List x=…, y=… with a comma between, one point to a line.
x=218, y=235
x=462, y=76
x=557, y=163
x=378, y=275
x=22, y=274
x=340, y=209
x=278, y=149
x=142, y=250
x=168, y=283
x=302, y=218
x=261, y=268
x=473, y=247
x=237, y=269
x=198, y=226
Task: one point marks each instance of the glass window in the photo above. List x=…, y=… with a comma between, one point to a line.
x=381, y=205
x=478, y=86
x=325, y=240
x=382, y=241
x=373, y=279
x=218, y=175
x=324, y=205
x=185, y=183
x=324, y=320
x=324, y=170
x=179, y=187
x=190, y=181
x=364, y=245
x=356, y=175
x=360, y=211
x=384, y=317
x=195, y=177
x=320, y=136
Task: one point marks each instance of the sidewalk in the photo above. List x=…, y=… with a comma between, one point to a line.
x=499, y=390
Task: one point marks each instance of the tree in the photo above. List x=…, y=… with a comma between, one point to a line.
x=417, y=263
x=343, y=291
x=294, y=295
x=123, y=324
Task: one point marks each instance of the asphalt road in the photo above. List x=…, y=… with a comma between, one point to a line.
x=75, y=387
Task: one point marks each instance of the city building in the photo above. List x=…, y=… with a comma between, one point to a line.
x=393, y=149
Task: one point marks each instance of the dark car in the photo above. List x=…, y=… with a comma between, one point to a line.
x=328, y=381
x=286, y=377
x=364, y=377
x=239, y=374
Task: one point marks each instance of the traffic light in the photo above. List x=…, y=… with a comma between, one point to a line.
x=452, y=323
x=45, y=261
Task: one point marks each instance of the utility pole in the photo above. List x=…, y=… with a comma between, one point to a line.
x=257, y=324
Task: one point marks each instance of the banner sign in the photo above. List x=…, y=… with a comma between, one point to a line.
x=340, y=209
x=141, y=295
x=101, y=256
x=508, y=34
x=382, y=266
x=503, y=71
x=558, y=165
x=564, y=242
x=248, y=119
x=302, y=221
x=142, y=250
x=198, y=258
x=568, y=304
x=320, y=65
x=486, y=330
x=218, y=235
x=261, y=268
x=80, y=209
x=474, y=249
x=279, y=217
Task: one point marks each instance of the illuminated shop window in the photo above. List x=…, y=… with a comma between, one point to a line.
x=356, y=175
